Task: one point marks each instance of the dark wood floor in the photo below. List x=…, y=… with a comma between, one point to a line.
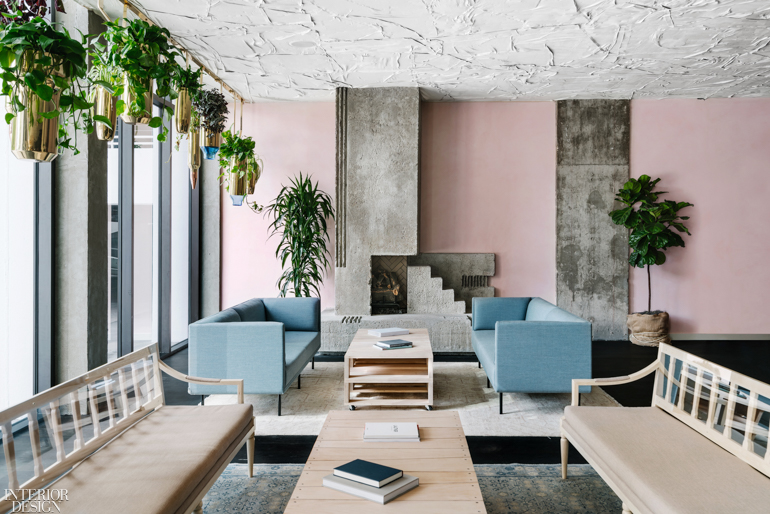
x=610, y=358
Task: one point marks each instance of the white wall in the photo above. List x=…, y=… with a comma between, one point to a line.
x=17, y=234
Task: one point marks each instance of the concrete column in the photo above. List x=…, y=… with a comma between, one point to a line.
x=81, y=241
x=593, y=138
x=210, y=237
x=378, y=194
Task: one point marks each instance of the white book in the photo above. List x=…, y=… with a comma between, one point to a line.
x=387, y=332
x=386, y=432
x=376, y=494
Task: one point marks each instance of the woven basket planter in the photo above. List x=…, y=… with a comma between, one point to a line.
x=649, y=329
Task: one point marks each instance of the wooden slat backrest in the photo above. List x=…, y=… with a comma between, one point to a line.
x=91, y=410
x=729, y=408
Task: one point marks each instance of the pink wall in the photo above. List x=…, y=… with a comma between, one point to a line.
x=290, y=137
x=714, y=154
x=488, y=184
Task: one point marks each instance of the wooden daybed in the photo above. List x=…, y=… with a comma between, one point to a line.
x=108, y=439
x=702, y=447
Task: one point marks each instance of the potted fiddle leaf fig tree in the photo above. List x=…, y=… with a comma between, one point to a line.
x=299, y=218
x=42, y=79
x=144, y=55
x=212, y=108
x=655, y=227
x=241, y=166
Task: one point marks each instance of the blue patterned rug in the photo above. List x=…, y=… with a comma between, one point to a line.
x=506, y=488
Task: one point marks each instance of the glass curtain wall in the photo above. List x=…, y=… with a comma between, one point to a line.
x=113, y=204
x=17, y=275
x=180, y=240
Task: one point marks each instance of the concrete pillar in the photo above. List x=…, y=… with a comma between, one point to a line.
x=81, y=241
x=593, y=138
x=210, y=237
x=378, y=194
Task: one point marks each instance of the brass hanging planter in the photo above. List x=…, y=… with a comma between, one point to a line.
x=129, y=97
x=238, y=186
x=183, y=111
x=253, y=178
x=104, y=105
x=32, y=136
x=194, y=154
x=210, y=143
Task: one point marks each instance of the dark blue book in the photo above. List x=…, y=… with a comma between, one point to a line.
x=368, y=473
x=391, y=343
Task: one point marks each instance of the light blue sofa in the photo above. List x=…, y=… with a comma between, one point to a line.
x=265, y=341
x=528, y=345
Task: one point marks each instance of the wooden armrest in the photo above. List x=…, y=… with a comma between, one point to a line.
x=625, y=379
x=199, y=380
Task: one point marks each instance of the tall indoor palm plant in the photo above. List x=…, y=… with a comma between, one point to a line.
x=299, y=214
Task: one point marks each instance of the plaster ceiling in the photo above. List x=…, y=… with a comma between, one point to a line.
x=476, y=49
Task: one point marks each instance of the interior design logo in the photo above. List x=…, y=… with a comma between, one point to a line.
x=36, y=500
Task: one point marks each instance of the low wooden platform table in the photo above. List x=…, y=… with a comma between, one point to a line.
x=396, y=377
x=440, y=460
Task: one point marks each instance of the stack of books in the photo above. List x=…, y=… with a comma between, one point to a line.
x=392, y=433
x=370, y=481
x=393, y=344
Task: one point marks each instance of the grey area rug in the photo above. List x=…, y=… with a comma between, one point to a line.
x=506, y=488
x=459, y=386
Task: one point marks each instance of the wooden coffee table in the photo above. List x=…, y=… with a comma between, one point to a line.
x=441, y=461
x=396, y=377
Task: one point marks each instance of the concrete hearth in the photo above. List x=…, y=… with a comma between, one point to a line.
x=449, y=333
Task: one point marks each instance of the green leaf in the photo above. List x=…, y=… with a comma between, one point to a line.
x=50, y=115
x=8, y=117
x=45, y=92
x=103, y=119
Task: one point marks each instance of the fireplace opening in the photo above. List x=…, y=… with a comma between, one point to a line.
x=388, y=283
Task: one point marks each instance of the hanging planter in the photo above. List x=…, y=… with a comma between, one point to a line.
x=146, y=58
x=188, y=84
x=242, y=168
x=105, y=78
x=40, y=68
x=136, y=109
x=194, y=154
x=212, y=107
x=183, y=111
x=104, y=107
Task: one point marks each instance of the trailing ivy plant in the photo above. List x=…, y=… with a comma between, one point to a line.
x=652, y=224
x=299, y=218
x=189, y=79
x=212, y=107
x=236, y=155
x=28, y=9
x=142, y=52
x=34, y=55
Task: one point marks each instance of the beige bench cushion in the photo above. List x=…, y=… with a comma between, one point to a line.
x=662, y=465
x=159, y=463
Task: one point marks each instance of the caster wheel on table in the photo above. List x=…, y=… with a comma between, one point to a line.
x=352, y=407
x=428, y=407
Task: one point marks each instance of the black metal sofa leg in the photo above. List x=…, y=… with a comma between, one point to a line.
x=299, y=383
x=279, y=404
x=488, y=384
x=479, y=364
x=312, y=363
x=501, y=403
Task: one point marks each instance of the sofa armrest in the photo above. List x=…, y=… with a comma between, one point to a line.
x=301, y=314
x=252, y=351
x=541, y=356
x=610, y=381
x=488, y=311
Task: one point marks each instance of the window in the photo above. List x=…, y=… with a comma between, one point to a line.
x=180, y=242
x=17, y=275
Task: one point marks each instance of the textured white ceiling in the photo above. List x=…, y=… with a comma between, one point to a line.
x=477, y=49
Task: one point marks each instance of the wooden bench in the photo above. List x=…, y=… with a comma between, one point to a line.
x=108, y=439
x=701, y=447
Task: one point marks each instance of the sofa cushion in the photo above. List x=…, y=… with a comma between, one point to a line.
x=538, y=309
x=300, y=348
x=225, y=316
x=251, y=310
x=488, y=311
x=295, y=313
x=156, y=465
x=663, y=465
x=483, y=342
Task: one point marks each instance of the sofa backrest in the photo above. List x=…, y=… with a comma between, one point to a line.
x=251, y=310
x=488, y=311
x=226, y=316
x=302, y=314
x=729, y=408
